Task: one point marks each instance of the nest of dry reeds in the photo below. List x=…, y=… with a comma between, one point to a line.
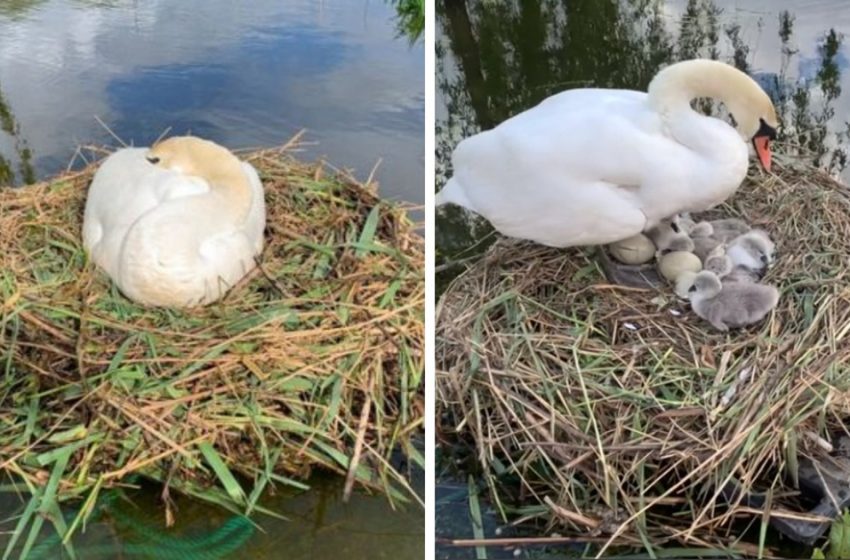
x=315, y=360
x=617, y=413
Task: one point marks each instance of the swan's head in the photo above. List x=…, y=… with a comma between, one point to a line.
x=192, y=156
x=752, y=108
x=756, y=116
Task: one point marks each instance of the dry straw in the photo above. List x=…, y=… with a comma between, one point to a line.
x=315, y=360
x=616, y=412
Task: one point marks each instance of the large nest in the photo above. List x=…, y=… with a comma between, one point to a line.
x=617, y=412
x=315, y=360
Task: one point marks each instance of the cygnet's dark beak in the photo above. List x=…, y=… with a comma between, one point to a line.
x=153, y=160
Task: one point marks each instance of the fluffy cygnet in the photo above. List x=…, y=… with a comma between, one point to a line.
x=667, y=236
x=728, y=229
x=707, y=236
x=741, y=274
x=733, y=304
x=637, y=249
x=672, y=265
x=703, y=246
x=701, y=229
x=683, y=222
x=719, y=262
x=684, y=283
x=680, y=242
x=753, y=251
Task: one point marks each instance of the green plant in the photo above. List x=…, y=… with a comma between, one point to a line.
x=838, y=546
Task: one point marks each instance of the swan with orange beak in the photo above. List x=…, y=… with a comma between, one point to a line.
x=761, y=142
x=598, y=166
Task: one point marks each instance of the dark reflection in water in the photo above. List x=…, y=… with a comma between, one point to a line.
x=496, y=59
x=315, y=525
x=12, y=129
x=244, y=74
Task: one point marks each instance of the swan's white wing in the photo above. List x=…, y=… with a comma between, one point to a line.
x=169, y=259
x=161, y=239
x=584, y=167
x=256, y=223
x=124, y=188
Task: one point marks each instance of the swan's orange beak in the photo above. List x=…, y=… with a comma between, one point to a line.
x=762, y=146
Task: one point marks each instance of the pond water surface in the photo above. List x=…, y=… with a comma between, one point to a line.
x=496, y=59
x=244, y=75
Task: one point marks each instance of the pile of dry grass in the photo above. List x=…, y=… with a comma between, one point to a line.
x=316, y=360
x=612, y=411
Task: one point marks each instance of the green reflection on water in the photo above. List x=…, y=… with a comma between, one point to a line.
x=18, y=8
x=313, y=524
x=411, y=18
x=10, y=127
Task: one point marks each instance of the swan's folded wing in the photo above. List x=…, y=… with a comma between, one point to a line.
x=176, y=185
x=178, y=255
x=255, y=225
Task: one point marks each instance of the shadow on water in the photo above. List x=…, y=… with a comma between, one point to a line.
x=497, y=59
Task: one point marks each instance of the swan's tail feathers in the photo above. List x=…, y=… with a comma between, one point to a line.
x=453, y=193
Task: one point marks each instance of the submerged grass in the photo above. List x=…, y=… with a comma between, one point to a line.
x=315, y=360
x=616, y=412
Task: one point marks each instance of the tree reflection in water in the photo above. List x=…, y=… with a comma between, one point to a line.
x=10, y=127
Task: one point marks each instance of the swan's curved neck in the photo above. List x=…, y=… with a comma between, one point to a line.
x=231, y=184
x=676, y=86
x=672, y=90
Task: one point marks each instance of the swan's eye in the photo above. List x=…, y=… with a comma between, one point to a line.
x=153, y=160
x=765, y=130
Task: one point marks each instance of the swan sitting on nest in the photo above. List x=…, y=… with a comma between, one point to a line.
x=177, y=224
x=598, y=166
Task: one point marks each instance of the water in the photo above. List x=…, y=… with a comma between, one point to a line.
x=496, y=59
x=318, y=525
x=244, y=75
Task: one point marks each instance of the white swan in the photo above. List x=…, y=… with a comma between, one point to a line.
x=596, y=166
x=177, y=224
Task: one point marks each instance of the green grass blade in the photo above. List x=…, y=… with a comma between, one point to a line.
x=23, y=521
x=364, y=243
x=223, y=473
x=475, y=518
